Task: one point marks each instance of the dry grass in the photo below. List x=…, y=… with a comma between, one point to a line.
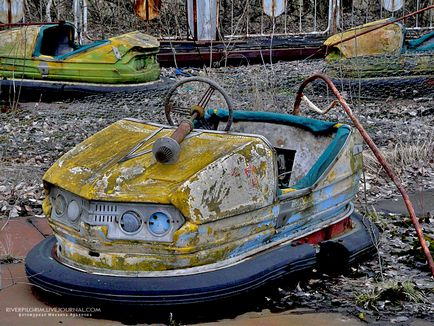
x=5, y=248
x=402, y=156
x=390, y=292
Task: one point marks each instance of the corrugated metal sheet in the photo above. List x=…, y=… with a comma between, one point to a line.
x=11, y=11
x=273, y=7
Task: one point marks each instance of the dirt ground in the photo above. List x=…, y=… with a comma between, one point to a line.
x=393, y=287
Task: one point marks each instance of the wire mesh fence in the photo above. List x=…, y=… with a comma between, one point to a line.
x=236, y=17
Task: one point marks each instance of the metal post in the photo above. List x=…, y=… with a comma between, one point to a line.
x=300, y=11
x=334, y=17
x=314, y=16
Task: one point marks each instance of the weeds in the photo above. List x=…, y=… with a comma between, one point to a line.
x=377, y=218
x=6, y=256
x=393, y=292
x=9, y=259
x=172, y=321
x=402, y=155
x=4, y=108
x=416, y=250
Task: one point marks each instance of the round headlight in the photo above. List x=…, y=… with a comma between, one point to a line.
x=159, y=224
x=59, y=205
x=130, y=222
x=74, y=210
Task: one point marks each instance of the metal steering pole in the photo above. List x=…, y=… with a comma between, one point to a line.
x=381, y=159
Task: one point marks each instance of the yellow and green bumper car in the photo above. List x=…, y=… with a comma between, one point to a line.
x=46, y=58
x=141, y=217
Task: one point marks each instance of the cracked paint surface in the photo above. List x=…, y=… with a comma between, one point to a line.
x=385, y=40
x=240, y=182
x=225, y=186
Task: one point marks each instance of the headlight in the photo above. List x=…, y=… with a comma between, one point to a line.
x=59, y=205
x=159, y=224
x=130, y=222
x=74, y=210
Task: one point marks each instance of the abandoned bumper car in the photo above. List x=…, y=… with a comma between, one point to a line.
x=47, y=58
x=146, y=213
x=378, y=55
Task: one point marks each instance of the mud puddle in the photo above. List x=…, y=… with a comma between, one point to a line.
x=300, y=317
x=295, y=318
x=422, y=201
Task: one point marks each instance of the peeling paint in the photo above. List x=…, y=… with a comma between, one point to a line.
x=213, y=193
x=386, y=40
x=225, y=186
x=276, y=210
x=134, y=62
x=102, y=184
x=78, y=170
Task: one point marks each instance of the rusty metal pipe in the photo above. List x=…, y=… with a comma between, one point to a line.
x=166, y=150
x=381, y=159
x=184, y=128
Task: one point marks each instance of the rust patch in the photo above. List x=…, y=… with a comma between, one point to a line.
x=147, y=9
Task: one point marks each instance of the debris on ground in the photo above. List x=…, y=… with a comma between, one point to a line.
x=394, y=287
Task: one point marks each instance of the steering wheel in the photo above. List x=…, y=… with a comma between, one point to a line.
x=173, y=109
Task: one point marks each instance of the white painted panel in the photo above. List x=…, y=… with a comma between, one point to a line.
x=190, y=17
x=393, y=5
x=274, y=7
x=207, y=15
x=16, y=7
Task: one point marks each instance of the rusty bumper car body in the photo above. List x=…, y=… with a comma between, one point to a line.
x=237, y=209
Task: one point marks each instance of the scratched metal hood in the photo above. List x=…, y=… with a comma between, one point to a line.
x=95, y=169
